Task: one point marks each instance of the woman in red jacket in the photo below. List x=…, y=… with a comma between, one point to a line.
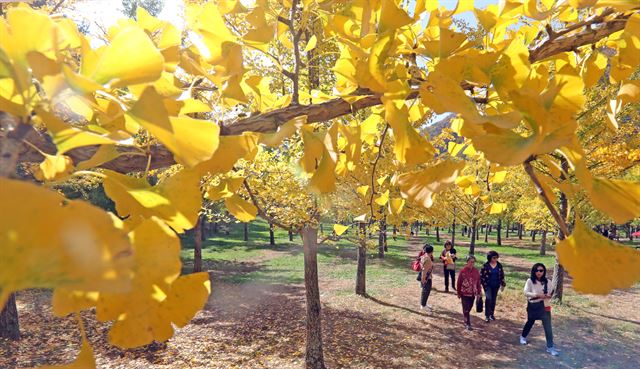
x=469, y=289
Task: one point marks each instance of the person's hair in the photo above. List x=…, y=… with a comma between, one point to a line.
x=448, y=242
x=543, y=279
x=491, y=254
x=469, y=257
x=427, y=248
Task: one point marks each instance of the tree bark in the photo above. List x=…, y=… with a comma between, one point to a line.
x=382, y=238
x=9, y=324
x=314, y=358
x=290, y=236
x=557, y=282
x=533, y=236
x=453, y=226
x=361, y=272
x=507, y=230
x=437, y=234
x=474, y=231
x=520, y=230
x=197, y=245
x=245, y=231
x=499, y=229
x=543, y=242
x=486, y=234
x=272, y=238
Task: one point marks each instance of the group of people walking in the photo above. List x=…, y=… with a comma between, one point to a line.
x=472, y=284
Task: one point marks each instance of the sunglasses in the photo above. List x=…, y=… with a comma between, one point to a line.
x=540, y=271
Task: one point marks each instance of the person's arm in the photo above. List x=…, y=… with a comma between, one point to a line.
x=528, y=290
x=483, y=276
x=459, y=284
x=502, y=281
x=426, y=268
x=453, y=255
x=478, y=287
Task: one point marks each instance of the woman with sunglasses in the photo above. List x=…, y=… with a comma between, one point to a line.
x=492, y=279
x=538, y=306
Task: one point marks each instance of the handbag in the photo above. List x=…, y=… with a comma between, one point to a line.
x=479, y=304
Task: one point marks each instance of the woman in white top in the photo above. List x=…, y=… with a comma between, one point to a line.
x=538, y=306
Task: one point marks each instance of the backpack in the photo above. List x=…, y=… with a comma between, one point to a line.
x=416, y=265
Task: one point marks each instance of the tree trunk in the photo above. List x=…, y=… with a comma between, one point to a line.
x=245, y=231
x=9, y=324
x=272, y=238
x=520, y=230
x=486, y=234
x=543, y=242
x=453, y=226
x=474, y=231
x=557, y=282
x=197, y=245
x=499, y=230
x=382, y=238
x=290, y=236
x=361, y=272
x=533, y=236
x=314, y=358
x=477, y=233
x=321, y=229
x=437, y=234
x=507, y=230
x=215, y=227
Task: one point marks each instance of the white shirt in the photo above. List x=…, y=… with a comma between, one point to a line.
x=532, y=290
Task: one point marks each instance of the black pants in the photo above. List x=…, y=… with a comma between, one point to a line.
x=467, y=305
x=426, y=290
x=546, y=324
x=447, y=273
x=491, y=294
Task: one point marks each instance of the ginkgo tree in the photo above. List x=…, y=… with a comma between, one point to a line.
x=133, y=105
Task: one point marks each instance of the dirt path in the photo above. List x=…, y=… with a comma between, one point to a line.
x=261, y=325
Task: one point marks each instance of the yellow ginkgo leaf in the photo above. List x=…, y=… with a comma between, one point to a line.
x=419, y=186
x=361, y=218
x=498, y=177
x=392, y=16
x=67, y=137
x=175, y=200
x=585, y=250
x=382, y=179
x=340, y=229
x=311, y=44
x=117, y=68
x=78, y=246
x=190, y=140
x=226, y=188
x=187, y=296
x=619, y=199
x=54, y=167
x=242, y=209
x=362, y=190
x=497, y=208
x=383, y=198
x=396, y=205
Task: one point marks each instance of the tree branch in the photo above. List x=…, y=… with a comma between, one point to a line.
x=262, y=213
x=545, y=198
x=373, y=169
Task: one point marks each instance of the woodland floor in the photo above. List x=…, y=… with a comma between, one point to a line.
x=255, y=317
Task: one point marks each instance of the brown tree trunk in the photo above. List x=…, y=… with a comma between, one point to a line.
x=543, y=242
x=437, y=234
x=507, y=230
x=486, y=234
x=533, y=236
x=557, y=282
x=361, y=272
x=520, y=230
x=272, y=238
x=197, y=245
x=474, y=231
x=245, y=231
x=499, y=229
x=314, y=358
x=9, y=324
x=290, y=236
x=382, y=238
x=453, y=227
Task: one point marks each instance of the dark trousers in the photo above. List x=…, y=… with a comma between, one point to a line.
x=467, y=305
x=546, y=324
x=491, y=294
x=426, y=290
x=447, y=273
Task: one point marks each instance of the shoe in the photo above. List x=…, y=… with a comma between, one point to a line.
x=523, y=341
x=553, y=351
x=468, y=327
x=487, y=319
x=492, y=317
x=446, y=289
x=430, y=307
x=453, y=288
x=422, y=307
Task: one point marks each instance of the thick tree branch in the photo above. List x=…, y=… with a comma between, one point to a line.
x=262, y=213
x=556, y=45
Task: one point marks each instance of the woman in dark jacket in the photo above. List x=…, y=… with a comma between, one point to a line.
x=492, y=279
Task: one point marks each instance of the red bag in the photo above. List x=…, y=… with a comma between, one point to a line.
x=416, y=265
